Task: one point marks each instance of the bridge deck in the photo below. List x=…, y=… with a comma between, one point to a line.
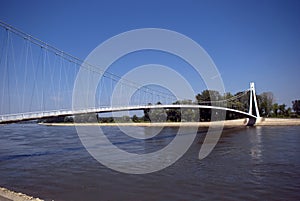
x=45, y=114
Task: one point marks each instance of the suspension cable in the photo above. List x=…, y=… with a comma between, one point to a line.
x=76, y=60
x=227, y=100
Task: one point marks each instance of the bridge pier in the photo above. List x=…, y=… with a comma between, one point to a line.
x=251, y=121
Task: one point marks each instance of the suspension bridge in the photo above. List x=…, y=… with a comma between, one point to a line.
x=37, y=81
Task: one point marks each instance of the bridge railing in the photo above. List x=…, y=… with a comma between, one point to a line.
x=76, y=111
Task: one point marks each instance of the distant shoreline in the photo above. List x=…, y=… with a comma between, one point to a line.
x=238, y=122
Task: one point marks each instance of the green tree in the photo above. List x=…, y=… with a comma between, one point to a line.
x=86, y=118
x=275, y=109
x=135, y=118
x=230, y=104
x=189, y=115
x=296, y=106
x=207, y=96
x=69, y=119
x=106, y=120
x=157, y=115
x=289, y=112
x=242, y=102
x=282, y=110
x=125, y=118
x=265, y=103
x=173, y=115
x=186, y=102
x=146, y=114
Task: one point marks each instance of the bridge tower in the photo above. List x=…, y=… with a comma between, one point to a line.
x=253, y=100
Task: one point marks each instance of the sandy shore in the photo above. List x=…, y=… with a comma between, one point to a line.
x=278, y=122
x=229, y=123
x=7, y=195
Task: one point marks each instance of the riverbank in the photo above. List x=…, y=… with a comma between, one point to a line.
x=228, y=123
x=7, y=195
x=278, y=122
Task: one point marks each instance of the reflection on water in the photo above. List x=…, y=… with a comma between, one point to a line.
x=256, y=149
x=256, y=152
x=261, y=163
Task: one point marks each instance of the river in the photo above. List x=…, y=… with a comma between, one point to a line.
x=255, y=163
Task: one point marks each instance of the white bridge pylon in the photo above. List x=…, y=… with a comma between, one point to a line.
x=253, y=99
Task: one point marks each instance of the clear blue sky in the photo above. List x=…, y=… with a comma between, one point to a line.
x=248, y=40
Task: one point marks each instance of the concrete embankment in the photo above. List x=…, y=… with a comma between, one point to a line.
x=228, y=123
x=7, y=195
x=278, y=122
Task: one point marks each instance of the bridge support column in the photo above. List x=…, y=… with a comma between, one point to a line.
x=253, y=99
